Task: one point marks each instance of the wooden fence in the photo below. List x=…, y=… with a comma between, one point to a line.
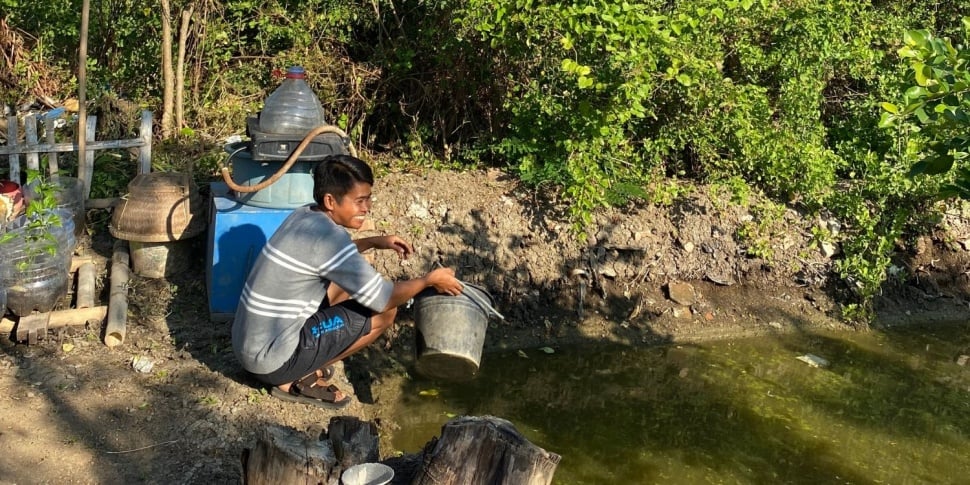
x=33, y=147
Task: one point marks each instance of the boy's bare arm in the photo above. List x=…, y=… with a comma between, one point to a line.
x=442, y=279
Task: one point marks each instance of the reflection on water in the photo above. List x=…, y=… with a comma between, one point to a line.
x=892, y=407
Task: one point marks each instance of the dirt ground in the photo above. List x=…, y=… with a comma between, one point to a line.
x=75, y=411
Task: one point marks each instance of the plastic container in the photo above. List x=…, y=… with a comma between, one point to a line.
x=272, y=147
x=69, y=193
x=294, y=189
x=450, y=333
x=34, y=268
x=293, y=108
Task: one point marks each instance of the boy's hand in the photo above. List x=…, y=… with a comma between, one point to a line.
x=443, y=280
x=400, y=246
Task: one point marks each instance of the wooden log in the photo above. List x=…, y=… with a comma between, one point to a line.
x=85, y=153
x=78, y=261
x=51, y=157
x=484, y=450
x=84, y=296
x=145, y=145
x=13, y=135
x=65, y=147
x=30, y=132
x=353, y=441
x=63, y=318
x=33, y=328
x=284, y=455
x=114, y=333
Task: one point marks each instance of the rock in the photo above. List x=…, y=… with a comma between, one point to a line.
x=681, y=293
x=682, y=312
x=829, y=249
x=813, y=360
x=963, y=360
x=419, y=209
x=720, y=280
x=142, y=364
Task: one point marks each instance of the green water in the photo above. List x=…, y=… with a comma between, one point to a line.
x=892, y=407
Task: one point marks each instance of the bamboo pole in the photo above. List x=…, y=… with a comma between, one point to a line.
x=84, y=172
x=63, y=318
x=85, y=286
x=78, y=261
x=114, y=333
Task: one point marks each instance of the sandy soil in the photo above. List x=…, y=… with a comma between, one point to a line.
x=75, y=411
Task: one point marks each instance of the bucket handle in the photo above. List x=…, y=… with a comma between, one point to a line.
x=478, y=301
x=473, y=297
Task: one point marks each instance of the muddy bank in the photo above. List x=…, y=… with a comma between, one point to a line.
x=77, y=412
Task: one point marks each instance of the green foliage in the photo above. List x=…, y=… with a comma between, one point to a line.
x=934, y=111
x=609, y=95
x=606, y=102
x=38, y=220
x=112, y=172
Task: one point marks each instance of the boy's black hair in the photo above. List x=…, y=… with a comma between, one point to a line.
x=337, y=174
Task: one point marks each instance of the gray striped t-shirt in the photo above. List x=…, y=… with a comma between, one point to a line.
x=289, y=281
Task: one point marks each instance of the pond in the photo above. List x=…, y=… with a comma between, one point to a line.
x=890, y=407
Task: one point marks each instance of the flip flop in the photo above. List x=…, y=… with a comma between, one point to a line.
x=324, y=397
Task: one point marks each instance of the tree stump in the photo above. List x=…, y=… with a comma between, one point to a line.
x=484, y=450
x=354, y=441
x=284, y=455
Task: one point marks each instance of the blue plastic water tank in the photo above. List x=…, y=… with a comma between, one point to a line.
x=294, y=189
x=236, y=235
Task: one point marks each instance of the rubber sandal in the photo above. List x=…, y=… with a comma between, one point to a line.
x=315, y=396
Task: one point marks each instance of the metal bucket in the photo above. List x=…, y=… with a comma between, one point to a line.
x=450, y=332
x=367, y=474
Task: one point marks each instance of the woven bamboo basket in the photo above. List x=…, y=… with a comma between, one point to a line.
x=159, y=207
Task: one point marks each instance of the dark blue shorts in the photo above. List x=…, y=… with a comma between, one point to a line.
x=326, y=333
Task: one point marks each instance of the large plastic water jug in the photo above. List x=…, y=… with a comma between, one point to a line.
x=293, y=108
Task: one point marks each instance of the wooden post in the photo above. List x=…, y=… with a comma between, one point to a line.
x=84, y=171
x=61, y=318
x=33, y=328
x=13, y=135
x=30, y=132
x=484, y=450
x=52, y=155
x=145, y=150
x=284, y=455
x=86, y=158
x=354, y=441
x=114, y=333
